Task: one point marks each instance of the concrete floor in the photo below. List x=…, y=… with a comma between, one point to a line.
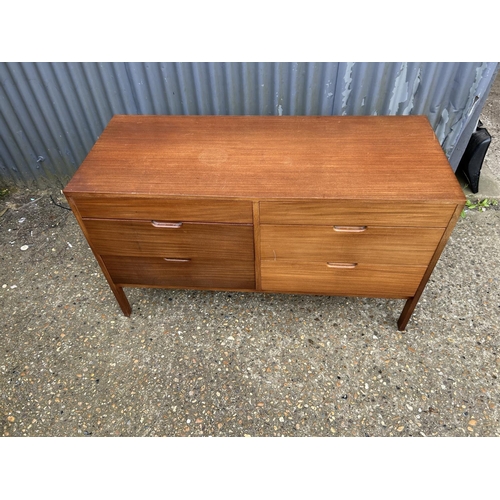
x=190, y=363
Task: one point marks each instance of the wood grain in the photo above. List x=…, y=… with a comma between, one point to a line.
x=164, y=209
x=356, y=213
x=269, y=157
x=196, y=273
x=376, y=245
x=364, y=280
x=257, y=244
x=250, y=203
x=135, y=238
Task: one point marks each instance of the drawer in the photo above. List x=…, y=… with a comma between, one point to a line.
x=353, y=213
x=195, y=273
x=177, y=240
x=365, y=280
x=168, y=209
x=371, y=245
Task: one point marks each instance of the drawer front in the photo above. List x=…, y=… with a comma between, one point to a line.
x=178, y=240
x=194, y=273
x=354, y=213
x=132, y=207
x=365, y=280
x=366, y=244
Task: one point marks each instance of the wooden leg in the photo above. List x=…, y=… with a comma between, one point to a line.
x=122, y=299
x=407, y=312
x=412, y=302
x=117, y=290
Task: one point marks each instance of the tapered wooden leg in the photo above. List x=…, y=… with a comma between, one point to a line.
x=122, y=299
x=407, y=312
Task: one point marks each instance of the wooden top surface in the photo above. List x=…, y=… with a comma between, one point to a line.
x=267, y=157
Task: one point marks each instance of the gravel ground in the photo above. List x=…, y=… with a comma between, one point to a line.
x=189, y=363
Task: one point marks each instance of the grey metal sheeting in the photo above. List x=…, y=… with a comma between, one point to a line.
x=51, y=114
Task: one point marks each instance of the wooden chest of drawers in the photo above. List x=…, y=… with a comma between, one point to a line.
x=358, y=206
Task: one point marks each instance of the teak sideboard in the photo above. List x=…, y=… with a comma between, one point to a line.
x=359, y=206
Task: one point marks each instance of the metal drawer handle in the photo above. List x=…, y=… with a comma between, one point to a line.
x=341, y=265
x=176, y=260
x=171, y=225
x=350, y=229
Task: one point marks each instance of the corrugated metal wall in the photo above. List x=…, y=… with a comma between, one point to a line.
x=52, y=113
